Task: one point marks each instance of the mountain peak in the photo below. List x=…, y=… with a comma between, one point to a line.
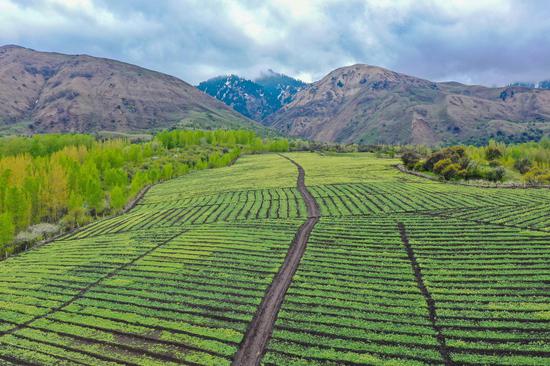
x=257, y=98
x=53, y=92
x=371, y=104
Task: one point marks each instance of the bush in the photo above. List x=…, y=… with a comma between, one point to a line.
x=44, y=229
x=492, y=153
x=441, y=165
x=537, y=176
x=496, y=174
x=456, y=154
x=27, y=237
x=410, y=158
x=523, y=165
x=451, y=171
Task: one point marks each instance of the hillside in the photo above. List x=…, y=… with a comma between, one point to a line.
x=368, y=104
x=52, y=92
x=257, y=98
x=212, y=268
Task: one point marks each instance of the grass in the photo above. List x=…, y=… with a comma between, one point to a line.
x=178, y=279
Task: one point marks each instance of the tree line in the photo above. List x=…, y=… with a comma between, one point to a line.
x=69, y=180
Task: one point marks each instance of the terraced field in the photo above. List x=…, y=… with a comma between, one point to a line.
x=397, y=271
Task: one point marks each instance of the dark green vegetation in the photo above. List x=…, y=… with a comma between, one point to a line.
x=399, y=270
x=74, y=178
x=257, y=98
x=496, y=162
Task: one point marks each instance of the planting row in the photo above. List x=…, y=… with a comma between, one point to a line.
x=148, y=297
x=355, y=298
x=283, y=203
x=490, y=285
x=386, y=197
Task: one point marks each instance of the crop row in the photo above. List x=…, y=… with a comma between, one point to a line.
x=353, y=300
x=369, y=199
x=246, y=205
x=186, y=300
x=491, y=287
x=530, y=217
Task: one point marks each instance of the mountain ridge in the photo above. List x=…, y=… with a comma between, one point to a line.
x=369, y=104
x=55, y=92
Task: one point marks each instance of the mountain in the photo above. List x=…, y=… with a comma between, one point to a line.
x=369, y=104
x=257, y=98
x=52, y=92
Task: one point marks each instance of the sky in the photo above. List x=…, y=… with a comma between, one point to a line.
x=485, y=42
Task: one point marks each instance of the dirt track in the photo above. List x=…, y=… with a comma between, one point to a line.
x=260, y=329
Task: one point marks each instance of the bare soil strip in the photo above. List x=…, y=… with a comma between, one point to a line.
x=258, y=333
x=443, y=350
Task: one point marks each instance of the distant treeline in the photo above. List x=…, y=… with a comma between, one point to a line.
x=53, y=183
x=528, y=162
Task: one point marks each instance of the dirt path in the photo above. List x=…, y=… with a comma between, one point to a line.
x=430, y=302
x=254, y=343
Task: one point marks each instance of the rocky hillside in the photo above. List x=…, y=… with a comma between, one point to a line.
x=368, y=104
x=51, y=92
x=257, y=98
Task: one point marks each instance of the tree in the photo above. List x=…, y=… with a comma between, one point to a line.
x=117, y=198
x=94, y=195
x=18, y=205
x=7, y=229
x=523, y=165
x=56, y=192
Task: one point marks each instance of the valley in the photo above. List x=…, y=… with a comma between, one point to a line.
x=397, y=269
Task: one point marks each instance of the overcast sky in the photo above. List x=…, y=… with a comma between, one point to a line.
x=490, y=42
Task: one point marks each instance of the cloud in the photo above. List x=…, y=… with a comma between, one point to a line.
x=485, y=41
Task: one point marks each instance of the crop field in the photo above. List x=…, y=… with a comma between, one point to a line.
x=397, y=270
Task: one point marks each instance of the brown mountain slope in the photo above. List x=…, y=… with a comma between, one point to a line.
x=370, y=104
x=52, y=92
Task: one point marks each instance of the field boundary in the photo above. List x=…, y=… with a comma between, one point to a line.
x=260, y=329
x=430, y=302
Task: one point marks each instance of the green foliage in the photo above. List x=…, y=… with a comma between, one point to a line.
x=523, y=165
x=7, y=229
x=410, y=158
x=42, y=145
x=537, y=176
x=75, y=178
x=495, y=162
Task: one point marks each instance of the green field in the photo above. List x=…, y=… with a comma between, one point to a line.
x=399, y=270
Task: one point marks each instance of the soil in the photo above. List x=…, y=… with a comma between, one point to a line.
x=258, y=334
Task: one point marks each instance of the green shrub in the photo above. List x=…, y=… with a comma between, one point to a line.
x=495, y=175
x=537, y=176
x=451, y=171
x=523, y=165
x=410, y=158
x=441, y=165
x=492, y=153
